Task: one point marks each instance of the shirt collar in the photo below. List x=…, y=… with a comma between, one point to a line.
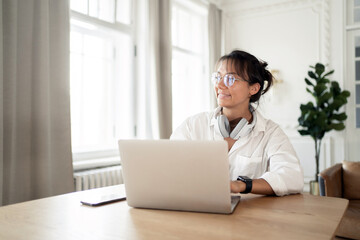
x=214, y=115
x=260, y=123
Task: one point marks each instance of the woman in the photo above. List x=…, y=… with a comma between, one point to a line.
x=262, y=159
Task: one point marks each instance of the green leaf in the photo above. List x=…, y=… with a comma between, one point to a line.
x=339, y=117
x=345, y=93
x=303, y=132
x=341, y=99
x=335, y=84
x=335, y=89
x=335, y=105
x=306, y=107
x=329, y=73
x=308, y=82
x=308, y=119
x=309, y=91
x=319, y=68
x=337, y=126
x=323, y=80
x=320, y=120
x=301, y=121
x=312, y=75
x=319, y=89
x=324, y=98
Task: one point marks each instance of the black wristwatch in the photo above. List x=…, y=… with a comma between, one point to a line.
x=247, y=181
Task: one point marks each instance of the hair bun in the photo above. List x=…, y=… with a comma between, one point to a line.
x=264, y=64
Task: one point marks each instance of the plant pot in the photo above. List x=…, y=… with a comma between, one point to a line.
x=314, y=188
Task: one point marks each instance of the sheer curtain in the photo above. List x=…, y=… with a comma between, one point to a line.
x=160, y=68
x=215, y=33
x=35, y=131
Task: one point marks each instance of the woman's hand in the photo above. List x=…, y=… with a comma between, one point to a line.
x=237, y=186
x=230, y=142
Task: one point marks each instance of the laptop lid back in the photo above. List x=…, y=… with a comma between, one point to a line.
x=176, y=175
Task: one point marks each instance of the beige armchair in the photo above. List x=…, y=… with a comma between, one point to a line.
x=343, y=180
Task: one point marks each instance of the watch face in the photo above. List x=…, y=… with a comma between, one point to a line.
x=244, y=178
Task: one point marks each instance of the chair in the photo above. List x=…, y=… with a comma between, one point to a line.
x=343, y=180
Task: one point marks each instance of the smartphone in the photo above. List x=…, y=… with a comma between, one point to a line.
x=97, y=200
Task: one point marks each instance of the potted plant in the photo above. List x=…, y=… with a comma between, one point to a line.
x=323, y=114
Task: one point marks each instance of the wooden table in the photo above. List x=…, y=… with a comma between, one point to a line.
x=256, y=217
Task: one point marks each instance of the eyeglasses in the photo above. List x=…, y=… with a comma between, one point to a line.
x=229, y=79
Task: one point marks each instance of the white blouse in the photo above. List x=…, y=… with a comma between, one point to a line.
x=264, y=153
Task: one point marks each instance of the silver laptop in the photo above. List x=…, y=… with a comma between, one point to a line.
x=177, y=175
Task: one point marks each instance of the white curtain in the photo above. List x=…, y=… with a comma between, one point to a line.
x=160, y=49
x=215, y=33
x=35, y=133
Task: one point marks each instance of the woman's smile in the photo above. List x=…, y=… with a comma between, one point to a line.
x=222, y=95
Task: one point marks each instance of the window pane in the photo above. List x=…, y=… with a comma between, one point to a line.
x=184, y=30
x=107, y=10
x=124, y=84
x=357, y=94
x=357, y=46
x=94, y=8
x=357, y=70
x=174, y=27
x=357, y=3
x=92, y=72
x=357, y=15
x=98, y=47
x=123, y=11
x=79, y=5
x=190, y=88
x=196, y=31
x=358, y=117
x=76, y=42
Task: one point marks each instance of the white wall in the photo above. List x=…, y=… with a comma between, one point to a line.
x=290, y=35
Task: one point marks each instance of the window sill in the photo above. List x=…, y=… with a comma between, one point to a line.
x=96, y=163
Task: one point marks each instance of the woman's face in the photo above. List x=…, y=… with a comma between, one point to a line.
x=236, y=96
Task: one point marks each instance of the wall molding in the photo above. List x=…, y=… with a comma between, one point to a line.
x=239, y=10
x=326, y=158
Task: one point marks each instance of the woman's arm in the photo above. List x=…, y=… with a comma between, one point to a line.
x=284, y=173
x=259, y=186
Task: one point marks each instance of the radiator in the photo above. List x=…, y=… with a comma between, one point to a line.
x=95, y=178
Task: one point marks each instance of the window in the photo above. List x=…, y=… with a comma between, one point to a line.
x=352, y=79
x=101, y=77
x=190, y=79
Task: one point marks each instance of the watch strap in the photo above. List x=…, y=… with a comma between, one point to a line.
x=247, y=181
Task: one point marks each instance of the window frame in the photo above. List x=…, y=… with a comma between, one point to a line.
x=106, y=157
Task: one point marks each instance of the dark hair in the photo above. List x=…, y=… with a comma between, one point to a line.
x=250, y=69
